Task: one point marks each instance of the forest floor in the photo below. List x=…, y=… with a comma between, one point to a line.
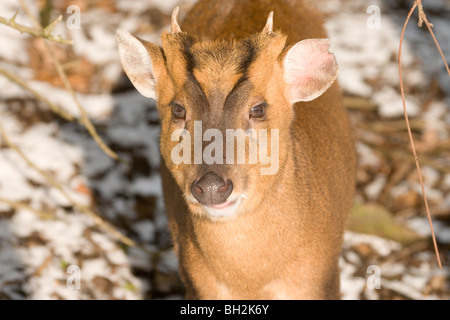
x=45, y=239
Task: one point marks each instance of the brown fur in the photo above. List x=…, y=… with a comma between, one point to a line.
x=286, y=240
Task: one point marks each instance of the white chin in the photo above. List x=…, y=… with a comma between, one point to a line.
x=225, y=211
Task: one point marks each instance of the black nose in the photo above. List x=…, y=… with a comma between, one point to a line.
x=211, y=189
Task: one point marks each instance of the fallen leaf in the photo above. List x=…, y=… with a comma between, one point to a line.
x=377, y=220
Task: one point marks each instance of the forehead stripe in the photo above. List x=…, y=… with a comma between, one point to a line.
x=249, y=52
x=232, y=95
x=187, y=54
x=246, y=53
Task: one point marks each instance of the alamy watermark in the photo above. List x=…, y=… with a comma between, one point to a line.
x=373, y=280
x=374, y=20
x=213, y=153
x=74, y=20
x=74, y=280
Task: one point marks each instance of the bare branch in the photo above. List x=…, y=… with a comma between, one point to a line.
x=429, y=26
x=56, y=109
x=85, y=121
x=45, y=33
x=20, y=205
x=86, y=210
x=417, y=3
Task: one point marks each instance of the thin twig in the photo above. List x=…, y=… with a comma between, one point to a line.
x=86, y=210
x=30, y=14
x=413, y=148
x=45, y=33
x=56, y=109
x=393, y=126
x=429, y=25
x=85, y=121
x=20, y=205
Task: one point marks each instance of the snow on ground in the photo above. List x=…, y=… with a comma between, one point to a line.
x=64, y=255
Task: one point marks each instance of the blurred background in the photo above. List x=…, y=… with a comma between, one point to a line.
x=65, y=202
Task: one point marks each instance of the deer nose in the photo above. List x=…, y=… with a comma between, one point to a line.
x=211, y=189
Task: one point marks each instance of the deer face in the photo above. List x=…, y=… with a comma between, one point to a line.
x=226, y=109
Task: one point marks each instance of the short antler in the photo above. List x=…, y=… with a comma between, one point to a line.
x=175, y=28
x=269, y=25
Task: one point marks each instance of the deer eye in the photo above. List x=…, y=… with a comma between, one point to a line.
x=259, y=111
x=178, y=111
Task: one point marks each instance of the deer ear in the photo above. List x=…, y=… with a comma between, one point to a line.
x=138, y=58
x=309, y=69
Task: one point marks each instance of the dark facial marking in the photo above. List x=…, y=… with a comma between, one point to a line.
x=238, y=95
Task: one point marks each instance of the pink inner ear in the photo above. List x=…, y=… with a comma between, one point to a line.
x=310, y=69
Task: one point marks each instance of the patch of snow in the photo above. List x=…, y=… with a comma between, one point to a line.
x=98, y=107
x=446, y=182
x=110, y=185
x=168, y=262
x=100, y=47
x=103, y=242
x=140, y=6
x=117, y=257
x=422, y=227
x=17, y=187
x=23, y=223
x=68, y=154
x=351, y=286
x=14, y=51
x=145, y=229
x=399, y=190
x=148, y=186
x=94, y=267
x=366, y=155
x=34, y=257
x=405, y=289
x=419, y=225
x=124, y=136
x=442, y=232
x=430, y=176
x=130, y=108
x=434, y=116
x=353, y=82
x=390, y=269
x=352, y=257
x=139, y=258
x=66, y=236
x=373, y=189
x=390, y=103
x=432, y=194
x=382, y=246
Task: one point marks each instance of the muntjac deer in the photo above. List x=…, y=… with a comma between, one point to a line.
x=262, y=214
